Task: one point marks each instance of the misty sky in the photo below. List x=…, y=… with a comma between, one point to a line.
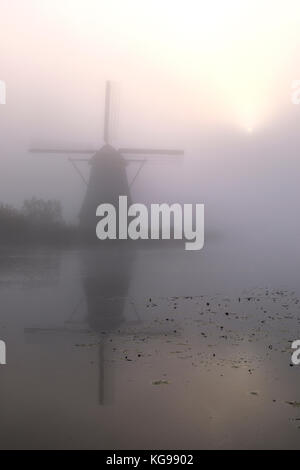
x=212, y=77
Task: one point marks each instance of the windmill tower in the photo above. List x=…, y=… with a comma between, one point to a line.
x=108, y=178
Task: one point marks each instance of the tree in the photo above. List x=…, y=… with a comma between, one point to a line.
x=43, y=212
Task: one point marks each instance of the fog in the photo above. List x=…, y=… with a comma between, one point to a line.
x=93, y=330
x=213, y=78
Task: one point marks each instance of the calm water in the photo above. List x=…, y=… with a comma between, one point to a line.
x=151, y=348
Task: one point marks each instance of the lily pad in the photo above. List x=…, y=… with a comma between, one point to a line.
x=295, y=404
x=160, y=382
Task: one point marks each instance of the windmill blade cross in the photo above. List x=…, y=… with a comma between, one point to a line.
x=148, y=151
x=107, y=112
x=62, y=151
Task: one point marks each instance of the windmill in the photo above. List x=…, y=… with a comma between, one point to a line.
x=108, y=178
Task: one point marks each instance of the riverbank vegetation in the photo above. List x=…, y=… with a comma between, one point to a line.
x=38, y=221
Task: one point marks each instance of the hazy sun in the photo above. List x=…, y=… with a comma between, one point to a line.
x=235, y=50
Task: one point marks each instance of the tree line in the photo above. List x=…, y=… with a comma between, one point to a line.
x=38, y=220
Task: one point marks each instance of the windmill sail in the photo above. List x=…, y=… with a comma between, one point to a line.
x=137, y=151
x=107, y=114
x=62, y=151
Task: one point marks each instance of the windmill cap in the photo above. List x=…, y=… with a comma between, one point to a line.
x=107, y=152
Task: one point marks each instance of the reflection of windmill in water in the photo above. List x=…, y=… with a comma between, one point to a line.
x=107, y=268
x=110, y=313
x=108, y=178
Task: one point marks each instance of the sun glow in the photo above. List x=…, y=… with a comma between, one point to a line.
x=225, y=62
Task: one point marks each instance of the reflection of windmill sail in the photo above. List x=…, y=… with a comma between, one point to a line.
x=106, y=275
